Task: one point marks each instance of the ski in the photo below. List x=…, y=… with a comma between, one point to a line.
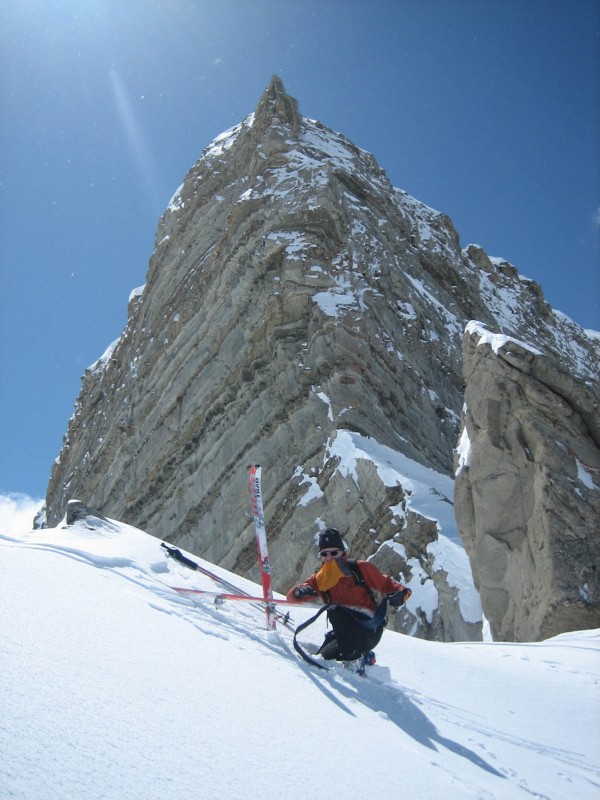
x=261, y=543
x=232, y=596
x=177, y=555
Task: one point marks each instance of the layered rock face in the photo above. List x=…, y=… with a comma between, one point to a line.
x=528, y=489
x=300, y=313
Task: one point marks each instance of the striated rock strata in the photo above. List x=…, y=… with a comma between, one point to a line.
x=300, y=313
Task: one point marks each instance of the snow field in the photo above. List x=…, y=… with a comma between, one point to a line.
x=114, y=686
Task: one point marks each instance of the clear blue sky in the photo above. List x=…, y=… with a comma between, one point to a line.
x=487, y=110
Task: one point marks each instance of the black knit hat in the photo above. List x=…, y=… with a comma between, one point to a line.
x=331, y=538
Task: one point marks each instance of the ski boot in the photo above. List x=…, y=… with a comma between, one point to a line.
x=367, y=660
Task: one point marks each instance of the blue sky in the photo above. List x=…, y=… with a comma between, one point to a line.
x=487, y=110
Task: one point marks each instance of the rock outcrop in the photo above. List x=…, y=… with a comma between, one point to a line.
x=528, y=489
x=301, y=313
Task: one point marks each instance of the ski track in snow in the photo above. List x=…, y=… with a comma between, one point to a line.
x=116, y=686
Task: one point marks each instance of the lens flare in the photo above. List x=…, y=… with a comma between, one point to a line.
x=136, y=139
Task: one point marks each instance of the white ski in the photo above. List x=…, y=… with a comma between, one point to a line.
x=261, y=543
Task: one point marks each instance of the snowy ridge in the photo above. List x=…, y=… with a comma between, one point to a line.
x=496, y=340
x=508, y=294
x=101, y=362
x=225, y=140
x=429, y=494
x=115, y=686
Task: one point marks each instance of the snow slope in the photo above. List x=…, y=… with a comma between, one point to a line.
x=115, y=686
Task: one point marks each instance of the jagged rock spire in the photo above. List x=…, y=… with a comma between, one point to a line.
x=277, y=103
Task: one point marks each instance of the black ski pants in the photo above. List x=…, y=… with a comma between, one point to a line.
x=348, y=639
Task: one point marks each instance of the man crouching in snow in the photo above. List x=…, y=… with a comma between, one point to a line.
x=356, y=619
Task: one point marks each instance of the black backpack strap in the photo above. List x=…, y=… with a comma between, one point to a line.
x=301, y=627
x=379, y=618
x=360, y=579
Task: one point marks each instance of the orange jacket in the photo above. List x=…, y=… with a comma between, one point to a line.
x=347, y=592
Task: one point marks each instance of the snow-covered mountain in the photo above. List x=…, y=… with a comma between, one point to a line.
x=298, y=307
x=115, y=686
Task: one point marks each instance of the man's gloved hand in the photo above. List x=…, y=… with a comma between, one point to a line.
x=302, y=592
x=399, y=598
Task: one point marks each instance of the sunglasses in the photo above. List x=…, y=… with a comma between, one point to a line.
x=325, y=553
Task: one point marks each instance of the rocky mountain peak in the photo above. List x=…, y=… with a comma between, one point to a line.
x=302, y=313
x=276, y=105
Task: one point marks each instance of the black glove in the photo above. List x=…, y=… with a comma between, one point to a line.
x=399, y=598
x=300, y=592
